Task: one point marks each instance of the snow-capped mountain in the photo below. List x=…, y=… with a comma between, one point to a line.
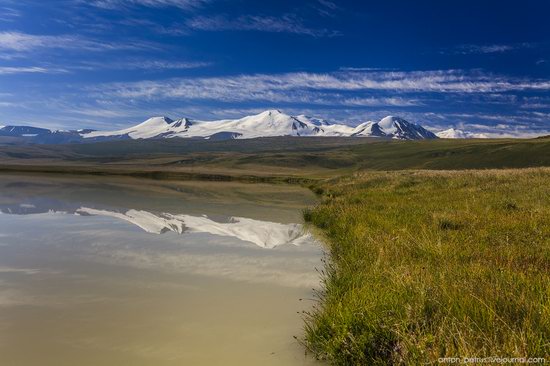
x=394, y=127
x=266, y=124
x=453, y=133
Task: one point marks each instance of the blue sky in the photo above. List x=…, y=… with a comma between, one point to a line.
x=477, y=65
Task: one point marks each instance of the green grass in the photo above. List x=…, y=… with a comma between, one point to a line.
x=425, y=264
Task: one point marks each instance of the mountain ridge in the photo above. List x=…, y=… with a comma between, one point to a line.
x=269, y=123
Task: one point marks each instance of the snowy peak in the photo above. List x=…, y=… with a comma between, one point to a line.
x=453, y=133
x=271, y=119
x=391, y=122
x=393, y=127
x=181, y=123
x=271, y=113
x=268, y=123
x=398, y=128
x=158, y=120
x=151, y=128
x=274, y=122
x=369, y=128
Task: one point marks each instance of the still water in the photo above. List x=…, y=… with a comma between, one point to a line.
x=100, y=271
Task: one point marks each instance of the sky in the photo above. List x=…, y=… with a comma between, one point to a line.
x=481, y=66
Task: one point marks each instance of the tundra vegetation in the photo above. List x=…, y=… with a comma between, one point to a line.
x=428, y=264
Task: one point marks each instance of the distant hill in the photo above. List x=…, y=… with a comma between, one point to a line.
x=274, y=156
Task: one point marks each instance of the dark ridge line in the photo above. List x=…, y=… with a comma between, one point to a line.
x=157, y=175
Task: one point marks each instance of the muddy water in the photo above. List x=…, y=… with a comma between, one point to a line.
x=136, y=272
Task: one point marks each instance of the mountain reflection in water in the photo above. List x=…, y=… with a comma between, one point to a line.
x=264, y=234
x=112, y=271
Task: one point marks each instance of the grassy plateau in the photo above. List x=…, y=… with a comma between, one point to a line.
x=273, y=158
x=430, y=264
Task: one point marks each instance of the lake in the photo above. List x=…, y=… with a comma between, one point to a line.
x=121, y=271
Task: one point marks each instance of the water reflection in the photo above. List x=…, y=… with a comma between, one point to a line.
x=129, y=272
x=264, y=234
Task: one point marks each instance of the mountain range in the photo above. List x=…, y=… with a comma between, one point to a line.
x=266, y=124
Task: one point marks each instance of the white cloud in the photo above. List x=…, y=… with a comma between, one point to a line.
x=365, y=69
x=158, y=65
x=466, y=49
x=23, y=42
x=241, y=89
x=326, y=8
x=182, y=4
x=344, y=96
x=8, y=14
x=328, y=4
x=7, y=70
x=140, y=64
x=103, y=113
x=319, y=88
x=495, y=48
x=535, y=103
x=374, y=102
x=284, y=24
